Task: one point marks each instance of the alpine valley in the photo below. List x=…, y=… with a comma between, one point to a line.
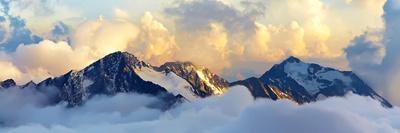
x=176, y=82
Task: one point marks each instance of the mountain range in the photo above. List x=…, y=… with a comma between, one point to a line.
x=176, y=82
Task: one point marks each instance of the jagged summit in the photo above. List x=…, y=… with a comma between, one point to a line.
x=293, y=64
x=29, y=84
x=281, y=66
x=7, y=83
x=307, y=82
x=292, y=59
x=123, y=55
x=120, y=58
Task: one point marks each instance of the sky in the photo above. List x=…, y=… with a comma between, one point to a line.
x=236, y=39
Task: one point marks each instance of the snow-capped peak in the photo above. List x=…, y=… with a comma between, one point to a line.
x=314, y=77
x=119, y=72
x=205, y=82
x=170, y=81
x=292, y=59
x=306, y=82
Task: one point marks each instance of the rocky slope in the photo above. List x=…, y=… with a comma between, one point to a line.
x=307, y=82
x=121, y=72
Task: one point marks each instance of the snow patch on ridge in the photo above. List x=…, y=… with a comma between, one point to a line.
x=86, y=83
x=170, y=81
x=299, y=71
x=216, y=90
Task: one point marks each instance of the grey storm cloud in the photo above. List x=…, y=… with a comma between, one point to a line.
x=380, y=74
x=199, y=14
x=366, y=53
x=236, y=111
x=364, y=48
x=61, y=32
x=15, y=32
x=391, y=35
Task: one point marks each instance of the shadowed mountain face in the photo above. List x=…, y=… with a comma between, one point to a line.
x=305, y=82
x=7, y=83
x=173, y=82
x=113, y=74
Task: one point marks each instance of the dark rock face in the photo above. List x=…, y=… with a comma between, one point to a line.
x=204, y=82
x=305, y=82
x=257, y=88
x=7, y=83
x=260, y=89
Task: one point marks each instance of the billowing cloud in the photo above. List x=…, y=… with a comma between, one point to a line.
x=236, y=111
x=26, y=106
x=155, y=42
x=366, y=46
x=44, y=13
x=392, y=61
x=90, y=41
x=381, y=51
x=61, y=32
x=9, y=70
x=324, y=28
x=102, y=37
x=256, y=31
x=219, y=35
x=13, y=30
x=45, y=55
x=207, y=47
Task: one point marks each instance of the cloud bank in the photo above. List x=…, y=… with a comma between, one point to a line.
x=236, y=111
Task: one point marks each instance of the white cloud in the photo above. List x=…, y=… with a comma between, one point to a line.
x=155, y=43
x=46, y=55
x=207, y=47
x=9, y=70
x=102, y=37
x=91, y=41
x=43, y=13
